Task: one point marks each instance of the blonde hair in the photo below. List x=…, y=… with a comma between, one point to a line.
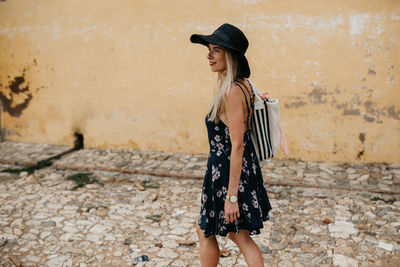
x=223, y=85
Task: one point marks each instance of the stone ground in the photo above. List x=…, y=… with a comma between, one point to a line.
x=147, y=203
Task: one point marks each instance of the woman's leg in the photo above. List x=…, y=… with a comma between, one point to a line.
x=251, y=252
x=209, y=250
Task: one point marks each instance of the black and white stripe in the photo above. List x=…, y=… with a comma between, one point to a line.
x=261, y=134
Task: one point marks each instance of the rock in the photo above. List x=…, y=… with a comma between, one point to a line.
x=16, y=262
x=326, y=221
x=264, y=249
x=140, y=259
x=373, y=181
x=57, y=261
x=274, y=175
x=33, y=258
x=376, y=175
x=109, y=237
x=356, y=239
x=44, y=235
x=385, y=246
x=347, y=251
x=224, y=253
x=166, y=253
x=186, y=242
x=179, y=231
x=155, y=217
x=97, y=238
x=48, y=223
x=17, y=231
x=179, y=212
x=139, y=185
x=154, y=197
x=170, y=244
x=325, y=169
x=72, y=250
x=344, y=261
x=99, y=229
x=127, y=241
x=3, y=242
x=363, y=178
x=342, y=229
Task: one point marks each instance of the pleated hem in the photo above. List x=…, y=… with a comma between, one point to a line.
x=232, y=228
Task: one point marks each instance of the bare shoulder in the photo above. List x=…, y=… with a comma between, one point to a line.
x=235, y=92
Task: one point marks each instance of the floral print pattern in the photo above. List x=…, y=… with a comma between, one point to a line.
x=253, y=201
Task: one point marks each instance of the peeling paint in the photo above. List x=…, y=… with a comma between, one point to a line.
x=369, y=111
x=16, y=96
x=352, y=112
x=393, y=113
x=295, y=104
x=16, y=87
x=369, y=117
x=358, y=22
x=370, y=108
x=318, y=95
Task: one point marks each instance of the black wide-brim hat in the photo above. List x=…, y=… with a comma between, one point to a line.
x=230, y=37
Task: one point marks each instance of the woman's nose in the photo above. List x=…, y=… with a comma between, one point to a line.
x=209, y=55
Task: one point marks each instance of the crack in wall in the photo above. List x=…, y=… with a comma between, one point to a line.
x=362, y=139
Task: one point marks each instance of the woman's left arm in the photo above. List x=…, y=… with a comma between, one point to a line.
x=235, y=121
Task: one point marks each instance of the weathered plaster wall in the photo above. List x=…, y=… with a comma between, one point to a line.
x=124, y=74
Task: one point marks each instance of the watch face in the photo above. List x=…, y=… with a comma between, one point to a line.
x=233, y=199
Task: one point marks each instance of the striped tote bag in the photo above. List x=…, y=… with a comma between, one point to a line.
x=265, y=125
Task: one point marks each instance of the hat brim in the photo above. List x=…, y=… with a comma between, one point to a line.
x=210, y=39
x=215, y=40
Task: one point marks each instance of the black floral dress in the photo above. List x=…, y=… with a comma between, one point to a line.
x=253, y=201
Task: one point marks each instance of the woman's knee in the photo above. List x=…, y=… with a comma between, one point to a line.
x=199, y=232
x=201, y=236
x=242, y=236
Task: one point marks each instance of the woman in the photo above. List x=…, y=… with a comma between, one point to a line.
x=234, y=201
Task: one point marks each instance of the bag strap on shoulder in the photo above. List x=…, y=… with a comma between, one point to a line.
x=249, y=107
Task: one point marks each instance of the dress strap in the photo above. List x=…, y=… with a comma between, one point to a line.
x=247, y=103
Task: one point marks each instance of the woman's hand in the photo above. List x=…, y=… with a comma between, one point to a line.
x=231, y=211
x=264, y=95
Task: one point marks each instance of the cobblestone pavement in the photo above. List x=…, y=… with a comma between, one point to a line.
x=142, y=203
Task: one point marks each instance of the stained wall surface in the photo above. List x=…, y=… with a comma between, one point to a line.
x=124, y=74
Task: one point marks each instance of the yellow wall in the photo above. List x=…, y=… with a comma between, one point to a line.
x=124, y=74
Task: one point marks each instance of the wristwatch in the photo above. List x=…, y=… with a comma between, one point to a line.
x=232, y=199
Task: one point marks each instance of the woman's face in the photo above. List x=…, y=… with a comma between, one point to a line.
x=216, y=58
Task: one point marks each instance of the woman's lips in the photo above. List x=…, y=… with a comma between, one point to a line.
x=212, y=63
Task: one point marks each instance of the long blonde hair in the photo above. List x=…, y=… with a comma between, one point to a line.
x=224, y=83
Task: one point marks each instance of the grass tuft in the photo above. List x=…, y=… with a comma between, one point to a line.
x=150, y=184
x=387, y=201
x=82, y=179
